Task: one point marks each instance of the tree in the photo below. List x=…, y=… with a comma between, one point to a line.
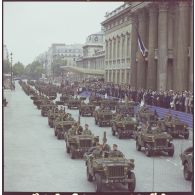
x=56, y=65
x=18, y=69
x=34, y=70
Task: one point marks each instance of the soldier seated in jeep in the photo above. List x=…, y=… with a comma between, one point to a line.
x=72, y=130
x=86, y=130
x=79, y=130
x=97, y=153
x=115, y=152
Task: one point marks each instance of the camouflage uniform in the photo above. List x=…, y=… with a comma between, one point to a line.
x=115, y=153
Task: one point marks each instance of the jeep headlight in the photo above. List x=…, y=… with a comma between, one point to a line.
x=105, y=169
x=125, y=169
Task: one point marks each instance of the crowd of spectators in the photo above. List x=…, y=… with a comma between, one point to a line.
x=179, y=101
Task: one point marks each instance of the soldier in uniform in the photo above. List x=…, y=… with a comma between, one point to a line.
x=119, y=117
x=72, y=130
x=61, y=110
x=115, y=152
x=97, y=153
x=106, y=148
x=79, y=129
x=86, y=130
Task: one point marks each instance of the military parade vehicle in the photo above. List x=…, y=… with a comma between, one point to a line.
x=145, y=114
x=125, y=109
x=124, y=128
x=187, y=162
x=95, y=100
x=64, y=99
x=103, y=117
x=175, y=127
x=74, y=103
x=61, y=127
x=153, y=139
x=53, y=114
x=60, y=117
x=77, y=145
x=108, y=103
x=30, y=82
x=86, y=109
x=45, y=108
x=109, y=170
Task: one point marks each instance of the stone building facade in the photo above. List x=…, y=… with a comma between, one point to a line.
x=66, y=53
x=117, y=45
x=166, y=28
x=93, y=54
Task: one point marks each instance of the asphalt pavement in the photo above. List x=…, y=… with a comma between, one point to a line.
x=34, y=160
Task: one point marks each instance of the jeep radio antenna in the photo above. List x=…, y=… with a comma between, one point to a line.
x=104, y=137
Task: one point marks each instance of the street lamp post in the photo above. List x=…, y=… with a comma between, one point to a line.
x=11, y=54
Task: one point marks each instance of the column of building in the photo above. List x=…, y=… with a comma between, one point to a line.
x=162, y=47
x=191, y=50
x=182, y=49
x=141, y=68
x=152, y=45
x=122, y=57
x=110, y=59
x=175, y=44
x=118, y=58
x=128, y=51
x=114, y=58
x=133, y=66
x=106, y=61
x=170, y=47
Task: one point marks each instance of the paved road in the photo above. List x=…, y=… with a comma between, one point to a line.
x=34, y=160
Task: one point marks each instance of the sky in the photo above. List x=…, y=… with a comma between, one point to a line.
x=29, y=28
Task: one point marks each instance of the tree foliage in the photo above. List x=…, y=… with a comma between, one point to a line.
x=34, y=70
x=56, y=65
x=18, y=69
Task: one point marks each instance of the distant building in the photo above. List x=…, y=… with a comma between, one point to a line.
x=92, y=61
x=66, y=53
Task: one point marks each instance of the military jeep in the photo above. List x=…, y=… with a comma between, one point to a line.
x=86, y=109
x=45, y=109
x=103, y=117
x=124, y=128
x=187, y=162
x=65, y=98
x=145, y=114
x=51, y=117
x=125, y=109
x=79, y=144
x=74, y=103
x=95, y=100
x=154, y=140
x=61, y=127
x=175, y=127
x=110, y=171
x=108, y=103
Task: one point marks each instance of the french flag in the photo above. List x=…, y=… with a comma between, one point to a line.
x=142, y=48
